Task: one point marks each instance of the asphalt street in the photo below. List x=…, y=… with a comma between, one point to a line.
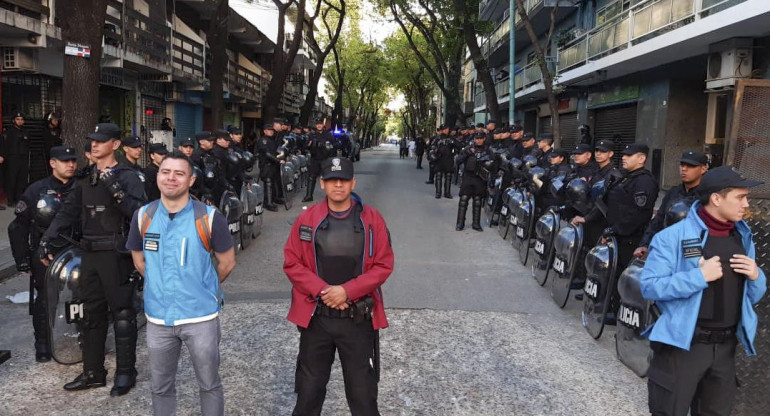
x=471, y=333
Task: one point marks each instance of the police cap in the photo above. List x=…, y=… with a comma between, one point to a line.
x=63, y=153
x=235, y=130
x=337, y=168
x=319, y=121
x=204, y=135
x=516, y=128
x=545, y=136
x=605, y=145
x=635, y=148
x=724, y=177
x=694, y=158
x=187, y=141
x=491, y=121
x=480, y=125
x=223, y=134
x=527, y=137
x=132, y=141
x=158, y=148
x=480, y=135
x=268, y=127
x=558, y=152
x=581, y=148
x=105, y=132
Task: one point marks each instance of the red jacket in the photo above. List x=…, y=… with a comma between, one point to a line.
x=300, y=264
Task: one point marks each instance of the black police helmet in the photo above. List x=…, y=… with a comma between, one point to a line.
x=45, y=210
x=677, y=212
x=515, y=163
x=597, y=190
x=576, y=191
x=556, y=185
x=530, y=161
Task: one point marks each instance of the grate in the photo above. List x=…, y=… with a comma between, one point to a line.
x=749, y=151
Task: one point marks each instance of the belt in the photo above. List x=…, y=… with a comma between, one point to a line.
x=323, y=310
x=358, y=311
x=713, y=336
x=105, y=243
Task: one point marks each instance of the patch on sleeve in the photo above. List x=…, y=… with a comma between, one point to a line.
x=305, y=233
x=640, y=198
x=21, y=206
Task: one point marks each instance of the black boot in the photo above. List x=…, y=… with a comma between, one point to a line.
x=125, y=352
x=431, y=174
x=310, y=189
x=462, y=208
x=448, y=185
x=437, y=180
x=476, y=225
x=87, y=380
x=269, y=204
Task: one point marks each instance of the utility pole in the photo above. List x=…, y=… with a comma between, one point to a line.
x=511, y=60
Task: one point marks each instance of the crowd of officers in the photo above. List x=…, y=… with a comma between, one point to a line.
x=92, y=207
x=619, y=204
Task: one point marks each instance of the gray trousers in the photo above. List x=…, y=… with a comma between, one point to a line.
x=164, y=344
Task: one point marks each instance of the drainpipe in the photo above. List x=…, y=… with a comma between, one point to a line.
x=511, y=60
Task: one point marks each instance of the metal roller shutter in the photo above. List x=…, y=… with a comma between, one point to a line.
x=617, y=124
x=544, y=126
x=184, y=121
x=568, y=124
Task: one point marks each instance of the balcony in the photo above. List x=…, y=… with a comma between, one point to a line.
x=528, y=76
x=490, y=9
x=147, y=43
x=16, y=30
x=648, y=35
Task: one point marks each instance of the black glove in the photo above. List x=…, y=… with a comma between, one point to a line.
x=110, y=180
x=136, y=278
x=608, y=232
x=24, y=265
x=44, y=250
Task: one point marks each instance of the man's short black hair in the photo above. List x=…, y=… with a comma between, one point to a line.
x=176, y=154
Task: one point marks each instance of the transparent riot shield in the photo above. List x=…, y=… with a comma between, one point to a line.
x=287, y=184
x=247, y=219
x=296, y=173
x=505, y=213
x=65, y=311
x=232, y=209
x=601, y=262
x=525, y=228
x=490, y=206
x=568, y=247
x=634, y=316
x=546, y=228
x=256, y=198
x=513, y=206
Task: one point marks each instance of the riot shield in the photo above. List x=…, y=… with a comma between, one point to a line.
x=525, y=227
x=64, y=309
x=545, y=229
x=303, y=169
x=287, y=184
x=503, y=221
x=296, y=173
x=567, y=246
x=495, y=193
x=513, y=206
x=247, y=219
x=600, y=263
x=256, y=198
x=231, y=208
x=634, y=316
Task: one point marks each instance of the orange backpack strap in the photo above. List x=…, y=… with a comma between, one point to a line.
x=145, y=216
x=203, y=222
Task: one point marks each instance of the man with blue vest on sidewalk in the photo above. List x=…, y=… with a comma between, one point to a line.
x=173, y=242
x=702, y=274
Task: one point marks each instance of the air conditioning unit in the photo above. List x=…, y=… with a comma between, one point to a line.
x=728, y=61
x=18, y=59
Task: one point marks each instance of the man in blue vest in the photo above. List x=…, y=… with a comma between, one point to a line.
x=172, y=241
x=702, y=274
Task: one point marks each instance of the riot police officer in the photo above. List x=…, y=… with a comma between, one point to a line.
x=187, y=147
x=629, y=203
x=157, y=152
x=34, y=212
x=528, y=148
x=229, y=160
x=545, y=146
x=213, y=184
x=269, y=166
x=15, y=159
x=584, y=166
x=444, y=149
x=692, y=166
x=319, y=146
x=102, y=203
x=558, y=167
x=419, y=150
x=475, y=157
x=132, y=151
x=431, y=149
x=52, y=133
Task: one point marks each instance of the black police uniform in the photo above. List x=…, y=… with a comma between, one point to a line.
x=15, y=151
x=674, y=195
x=269, y=170
x=151, y=181
x=545, y=196
x=474, y=186
x=431, y=148
x=51, y=138
x=213, y=183
x=419, y=150
x=444, y=165
x=34, y=212
x=319, y=145
x=102, y=204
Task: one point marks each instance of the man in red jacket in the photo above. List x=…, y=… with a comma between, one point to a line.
x=337, y=257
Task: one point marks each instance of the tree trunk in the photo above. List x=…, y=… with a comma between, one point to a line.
x=82, y=22
x=479, y=62
x=307, y=107
x=282, y=60
x=217, y=39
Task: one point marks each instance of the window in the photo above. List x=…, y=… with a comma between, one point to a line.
x=610, y=11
